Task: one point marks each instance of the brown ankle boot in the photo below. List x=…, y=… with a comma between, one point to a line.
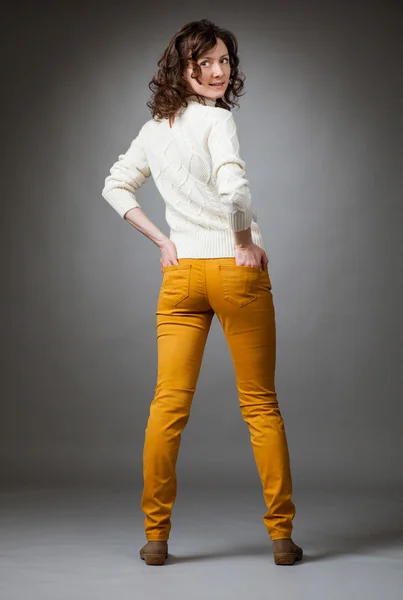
x=155, y=553
x=285, y=552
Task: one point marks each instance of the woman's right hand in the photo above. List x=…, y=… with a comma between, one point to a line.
x=168, y=254
x=251, y=256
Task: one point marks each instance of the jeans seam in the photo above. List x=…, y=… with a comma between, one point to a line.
x=205, y=281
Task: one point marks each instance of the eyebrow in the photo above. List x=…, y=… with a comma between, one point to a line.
x=205, y=56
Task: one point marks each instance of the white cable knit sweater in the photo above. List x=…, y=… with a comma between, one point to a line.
x=200, y=175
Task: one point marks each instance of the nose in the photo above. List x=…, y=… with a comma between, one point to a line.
x=217, y=70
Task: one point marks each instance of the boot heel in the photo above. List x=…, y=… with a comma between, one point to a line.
x=286, y=552
x=154, y=553
x=155, y=559
x=286, y=558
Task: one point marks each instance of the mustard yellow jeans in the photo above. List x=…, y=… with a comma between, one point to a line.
x=191, y=293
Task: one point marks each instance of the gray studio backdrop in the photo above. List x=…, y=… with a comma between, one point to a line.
x=320, y=128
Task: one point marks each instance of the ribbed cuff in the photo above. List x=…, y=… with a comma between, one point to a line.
x=241, y=220
x=121, y=200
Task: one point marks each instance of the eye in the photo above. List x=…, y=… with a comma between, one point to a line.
x=206, y=61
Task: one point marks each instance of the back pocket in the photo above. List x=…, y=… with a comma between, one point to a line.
x=175, y=285
x=240, y=284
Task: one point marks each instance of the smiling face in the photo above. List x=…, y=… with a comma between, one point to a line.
x=215, y=68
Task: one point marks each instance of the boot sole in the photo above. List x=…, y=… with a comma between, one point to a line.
x=153, y=559
x=287, y=558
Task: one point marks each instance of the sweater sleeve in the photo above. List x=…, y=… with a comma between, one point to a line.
x=229, y=173
x=127, y=174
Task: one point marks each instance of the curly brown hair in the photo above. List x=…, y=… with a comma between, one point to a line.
x=170, y=90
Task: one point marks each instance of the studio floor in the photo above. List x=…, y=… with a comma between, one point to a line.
x=78, y=543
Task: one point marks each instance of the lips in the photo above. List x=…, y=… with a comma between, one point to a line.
x=217, y=84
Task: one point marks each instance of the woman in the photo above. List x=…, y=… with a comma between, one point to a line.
x=214, y=263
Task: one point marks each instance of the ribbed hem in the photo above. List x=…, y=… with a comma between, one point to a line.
x=211, y=243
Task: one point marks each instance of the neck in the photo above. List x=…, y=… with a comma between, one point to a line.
x=208, y=101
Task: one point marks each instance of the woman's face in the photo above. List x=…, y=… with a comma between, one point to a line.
x=215, y=68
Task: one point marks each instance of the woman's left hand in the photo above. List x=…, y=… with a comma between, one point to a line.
x=168, y=254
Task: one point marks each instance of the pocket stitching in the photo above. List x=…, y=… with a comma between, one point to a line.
x=185, y=294
x=227, y=290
